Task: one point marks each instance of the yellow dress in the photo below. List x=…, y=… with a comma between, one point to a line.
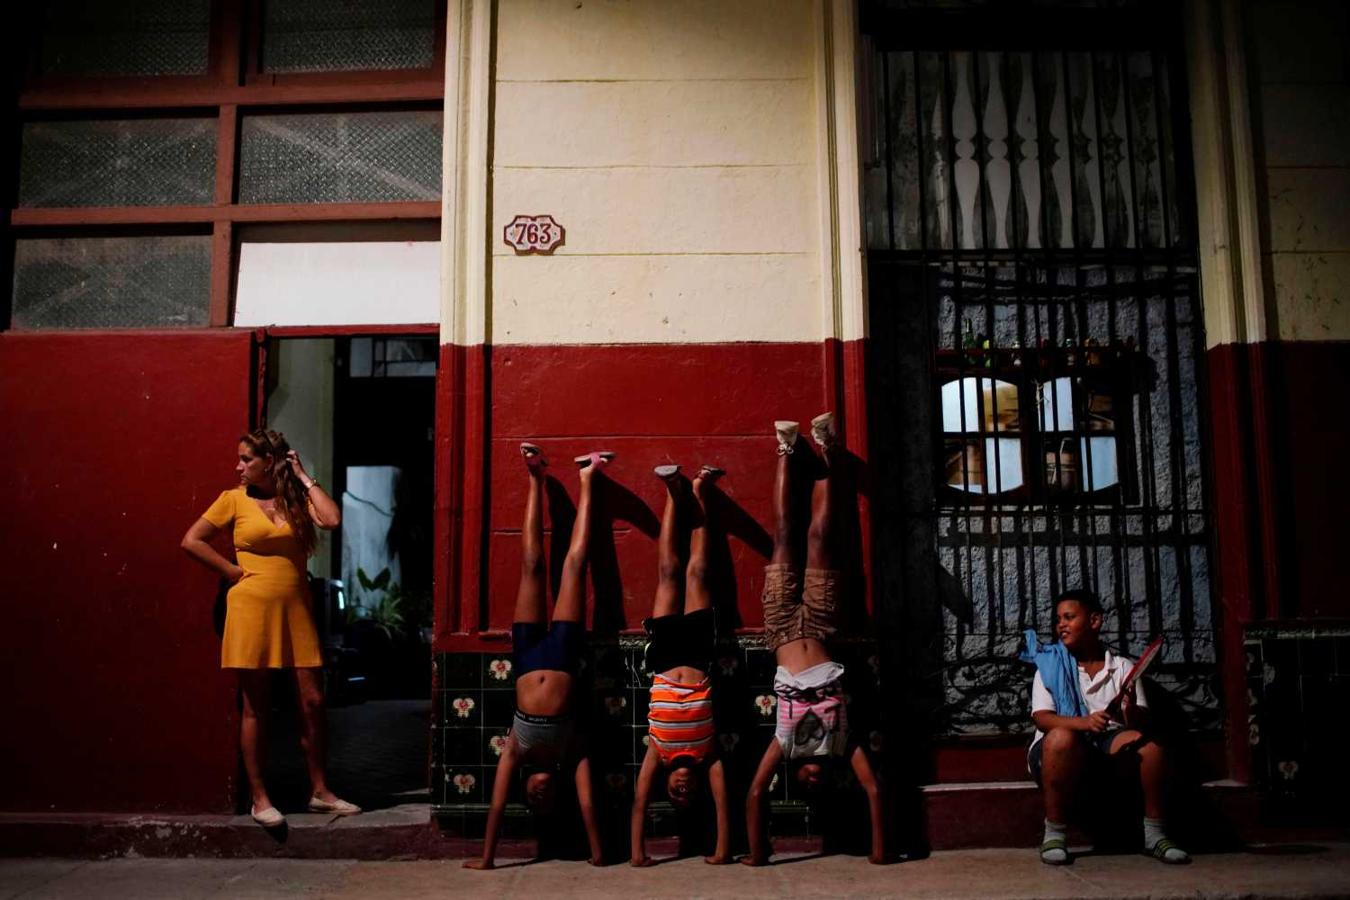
x=268, y=623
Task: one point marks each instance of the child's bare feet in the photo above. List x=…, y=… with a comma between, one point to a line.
x=786, y=432
x=534, y=458
x=706, y=475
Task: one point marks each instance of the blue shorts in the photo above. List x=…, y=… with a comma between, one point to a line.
x=1099, y=748
x=557, y=647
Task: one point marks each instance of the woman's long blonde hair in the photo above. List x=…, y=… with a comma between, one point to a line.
x=294, y=504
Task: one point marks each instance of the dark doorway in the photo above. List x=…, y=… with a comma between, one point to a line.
x=361, y=411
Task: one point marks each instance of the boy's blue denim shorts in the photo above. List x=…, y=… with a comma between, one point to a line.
x=558, y=646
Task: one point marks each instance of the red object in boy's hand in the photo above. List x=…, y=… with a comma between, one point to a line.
x=1124, y=700
x=1145, y=660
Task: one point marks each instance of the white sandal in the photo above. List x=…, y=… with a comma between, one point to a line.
x=267, y=818
x=334, y=807
x=787, y=436
x=822, y=430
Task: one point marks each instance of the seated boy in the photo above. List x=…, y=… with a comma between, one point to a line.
x=1082, y=718
x=681, y=736
x=801, y=612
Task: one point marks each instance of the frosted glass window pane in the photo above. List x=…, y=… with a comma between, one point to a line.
x=363, y=157
x=348, y=35
x=129, y=37
x=127, y=162
x=125, y=282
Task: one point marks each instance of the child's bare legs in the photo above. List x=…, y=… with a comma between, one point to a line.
x=538, y=692
x=531, y=603
x=1061, y=762
x=1130, y=746
x=668, y=589
x=571, y=606
x=782, y=512
x=1153, y=778
x=697, y=595
x=821, y=545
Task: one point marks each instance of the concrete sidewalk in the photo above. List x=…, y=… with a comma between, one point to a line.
x=1304, y=871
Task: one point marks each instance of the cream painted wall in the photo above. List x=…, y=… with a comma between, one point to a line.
x=1301, y=97
x=677, y=143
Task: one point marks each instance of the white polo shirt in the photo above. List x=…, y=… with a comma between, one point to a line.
x=1098, y=692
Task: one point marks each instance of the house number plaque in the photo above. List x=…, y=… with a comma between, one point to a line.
x=533, y=234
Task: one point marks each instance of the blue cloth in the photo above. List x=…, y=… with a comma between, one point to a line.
x=1059, y=673
x=557, y=647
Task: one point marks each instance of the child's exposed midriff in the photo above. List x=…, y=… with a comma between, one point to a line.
x=543, y=692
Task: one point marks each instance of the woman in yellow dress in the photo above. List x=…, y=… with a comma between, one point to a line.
x=268, y=622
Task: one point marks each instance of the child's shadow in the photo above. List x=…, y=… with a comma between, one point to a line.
x=852, y=485
x=616, y=504
x=612, y=502
x=729, y=519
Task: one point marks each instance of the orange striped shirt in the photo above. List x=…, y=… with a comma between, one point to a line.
x=680, y=719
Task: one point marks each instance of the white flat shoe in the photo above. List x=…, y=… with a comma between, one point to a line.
x=786, y=432
x=822, y=430
x=335, y=807
x=267, y=818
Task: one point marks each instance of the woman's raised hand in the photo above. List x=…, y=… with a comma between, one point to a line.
x=297, y=467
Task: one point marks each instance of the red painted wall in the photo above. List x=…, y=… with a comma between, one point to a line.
x=651, y=404
x=113, y=444
x=1312, y=396
x=1277, y=440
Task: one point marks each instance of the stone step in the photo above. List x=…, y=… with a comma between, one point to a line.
x=932, y=817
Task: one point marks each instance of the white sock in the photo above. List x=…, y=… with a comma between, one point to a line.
x=1054, y=831
x=1153, y=833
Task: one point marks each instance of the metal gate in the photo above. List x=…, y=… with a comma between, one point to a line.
x=1037, y=347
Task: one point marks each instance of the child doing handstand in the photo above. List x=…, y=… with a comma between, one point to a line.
x=682, y=632
x=801, y=612
x=546, y=657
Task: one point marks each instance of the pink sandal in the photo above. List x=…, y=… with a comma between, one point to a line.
x=533, y=456
x=597, y=458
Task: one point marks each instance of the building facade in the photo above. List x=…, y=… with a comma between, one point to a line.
x=1071, y=274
